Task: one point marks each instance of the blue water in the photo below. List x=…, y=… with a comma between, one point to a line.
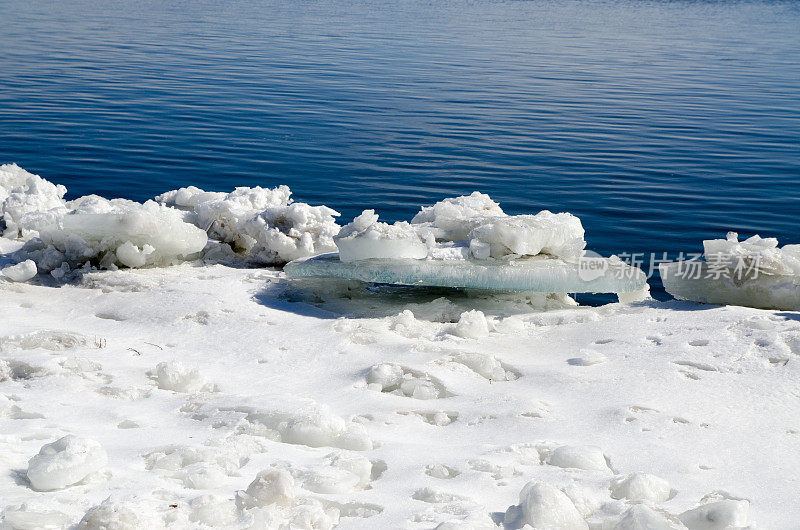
x=658, y=123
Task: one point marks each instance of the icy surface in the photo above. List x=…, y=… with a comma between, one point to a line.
x=752, y=273
x=525, y=274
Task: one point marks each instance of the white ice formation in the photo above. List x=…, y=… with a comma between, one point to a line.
x=753, y=273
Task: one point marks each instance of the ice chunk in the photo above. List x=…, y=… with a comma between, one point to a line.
x=271, y=486
x=21, y=272
x=122, y=233
x=262, y=224
x=22, y=192
x=64, y=462
x=120, y=514
x=753, y=273
x=641, y=487
x=472, y=325
x=586, y=457
x=720, y=515
x=537, y=274
x=367, y=238
x=174, y=376
x=215, y=511
x=559, y=235
x=544, y=506
x=455, y=217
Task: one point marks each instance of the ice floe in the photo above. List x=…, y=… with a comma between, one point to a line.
x=753, y=273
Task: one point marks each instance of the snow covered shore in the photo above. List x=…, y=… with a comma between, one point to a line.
x=204, y=395
x=194, y=380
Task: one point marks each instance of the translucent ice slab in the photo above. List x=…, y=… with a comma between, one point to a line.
x=536, y=274
x=701, y=282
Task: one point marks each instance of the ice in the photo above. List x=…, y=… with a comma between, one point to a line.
x=752, y=273
x=725, y=514
x=22, y=192
x=536, y=274
x=21, y=272
x=472, y=325
x=66, y=461
x=460, y=228
x=455, y=217
x=545, y=506
x=586, y=457
x=271, y=486
x=264, y=225
x=174, y=376
x=559, y=235
x=215, y=511
x=317, y=426
x=109, y=234
x=367, y=238
x=641, y=487
x=116, y=513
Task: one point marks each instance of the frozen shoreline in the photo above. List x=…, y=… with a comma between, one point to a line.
x=702, y=396
x=154, y=374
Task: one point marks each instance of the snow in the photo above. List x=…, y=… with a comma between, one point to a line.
x=459, y=228
x=64, y=462
x=22, y=192
x=367, y=238
x=21, y=272
x=263, y=225
x=718, y=515
x=545, y=506
x=204, y=395
x=472, y=325
x=754, y=273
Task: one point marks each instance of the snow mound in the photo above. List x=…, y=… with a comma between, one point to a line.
x=22, y=192
x=726, y=514
x=271, y=486
x=641, y=487
x=472, y=325
x=367, y=238
x=640, y=517
x=21, y=272
x=319, y=427
x=26, y=517
x=65, y=462
x=270, y=502
x=121, y=514
x=586, y=457
x=544, y=506
x=215, y=511
x=174, y=376
x=264, y=225
x=394, y=379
